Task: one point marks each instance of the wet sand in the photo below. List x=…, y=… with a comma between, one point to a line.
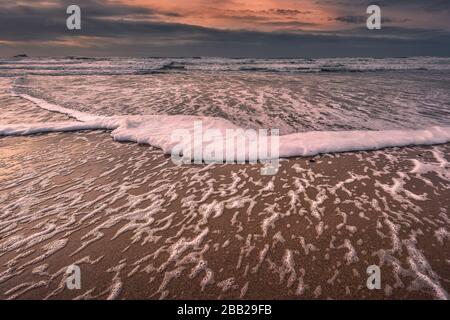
x=140, y=227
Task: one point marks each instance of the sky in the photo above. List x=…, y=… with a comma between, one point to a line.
x=227, y=28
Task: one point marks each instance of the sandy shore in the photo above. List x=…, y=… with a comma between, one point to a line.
x=140, y=227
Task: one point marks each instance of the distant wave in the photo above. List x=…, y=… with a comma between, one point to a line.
x=84, y=66
x=173, y=66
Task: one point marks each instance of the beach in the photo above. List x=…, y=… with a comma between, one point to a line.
x=142, y=227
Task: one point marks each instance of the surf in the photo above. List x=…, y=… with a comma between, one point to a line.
x=156, y=130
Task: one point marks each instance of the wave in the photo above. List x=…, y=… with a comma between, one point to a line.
x=173, y=66
x=125, y=66
x=157, y=131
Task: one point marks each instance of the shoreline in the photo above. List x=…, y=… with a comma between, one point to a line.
x=154, y=230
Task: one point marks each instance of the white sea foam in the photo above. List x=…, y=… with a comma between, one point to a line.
x=156, y=130
x=81, y=116
x=312, y=143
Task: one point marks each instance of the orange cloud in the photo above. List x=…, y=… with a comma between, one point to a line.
x=261, y=15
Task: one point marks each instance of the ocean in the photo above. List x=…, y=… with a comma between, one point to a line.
x=331, y=97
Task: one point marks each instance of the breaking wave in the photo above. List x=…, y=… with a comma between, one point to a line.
x=139, y=66
x=156, y=130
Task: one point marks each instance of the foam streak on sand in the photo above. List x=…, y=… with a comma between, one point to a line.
x=141, y=227
x=156, y=130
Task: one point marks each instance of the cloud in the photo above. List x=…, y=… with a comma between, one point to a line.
x=114, y=28
x=352, y=19
x=361, y=20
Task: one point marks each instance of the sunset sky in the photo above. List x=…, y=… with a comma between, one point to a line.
x=235, y=28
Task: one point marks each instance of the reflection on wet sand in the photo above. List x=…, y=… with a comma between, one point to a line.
x=140, y=227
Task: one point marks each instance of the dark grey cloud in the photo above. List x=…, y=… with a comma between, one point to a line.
x=288, y=12
x=39, y=30
x=352, y=19
x=101, y=19
x=428, y=5
x=361, y=20
x=432, y=5
x=263, y=21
